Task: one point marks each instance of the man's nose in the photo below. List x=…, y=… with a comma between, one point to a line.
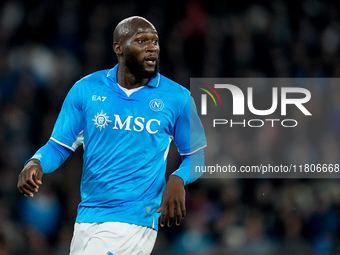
x=151, y=47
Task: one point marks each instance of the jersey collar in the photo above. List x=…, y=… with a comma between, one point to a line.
x=112, y=75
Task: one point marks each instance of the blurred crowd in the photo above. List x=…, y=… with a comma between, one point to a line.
x=47, y=45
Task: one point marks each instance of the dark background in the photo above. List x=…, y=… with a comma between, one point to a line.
x=46, y=46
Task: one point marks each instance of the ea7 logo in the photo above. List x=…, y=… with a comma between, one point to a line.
x=239, y=98
x=98, y=98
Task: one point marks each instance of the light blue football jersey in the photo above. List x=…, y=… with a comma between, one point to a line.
x=126, y=140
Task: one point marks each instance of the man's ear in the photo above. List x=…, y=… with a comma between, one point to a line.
x=117, y=48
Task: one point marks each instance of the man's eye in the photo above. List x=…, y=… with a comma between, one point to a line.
x=141, y=40
x=155, y=41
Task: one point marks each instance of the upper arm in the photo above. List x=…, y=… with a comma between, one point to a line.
x=69, y=124
x=188, y=132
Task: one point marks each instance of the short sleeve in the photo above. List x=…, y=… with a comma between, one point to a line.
x=69, y=124
x=188, y=130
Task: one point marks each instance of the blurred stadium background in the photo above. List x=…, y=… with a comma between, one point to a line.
x=48, y=45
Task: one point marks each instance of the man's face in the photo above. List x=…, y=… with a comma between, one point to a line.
x=141, y=53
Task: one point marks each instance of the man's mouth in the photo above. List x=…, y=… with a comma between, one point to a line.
x=150, y=61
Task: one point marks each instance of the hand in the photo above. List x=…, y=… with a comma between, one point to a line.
x=173, y=202
x=30, y=178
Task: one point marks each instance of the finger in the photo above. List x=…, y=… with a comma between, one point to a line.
x=31, y=185
x=28, y=188
x=170, y=220
x=162, y=220
x=163, y=216
x=183, y=210
x=21, y=189
x=38, y=178
x=179, y=215
x=25, y=191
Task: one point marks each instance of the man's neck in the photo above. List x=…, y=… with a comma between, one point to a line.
x=129, y=81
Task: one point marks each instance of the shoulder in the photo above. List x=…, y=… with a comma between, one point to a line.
x=89, y=83
x=98, y=76
x=173, y=87
x=174, y=94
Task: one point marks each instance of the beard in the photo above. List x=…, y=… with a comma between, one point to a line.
x=137, y=69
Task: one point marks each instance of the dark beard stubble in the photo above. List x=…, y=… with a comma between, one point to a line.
x=138, y=70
